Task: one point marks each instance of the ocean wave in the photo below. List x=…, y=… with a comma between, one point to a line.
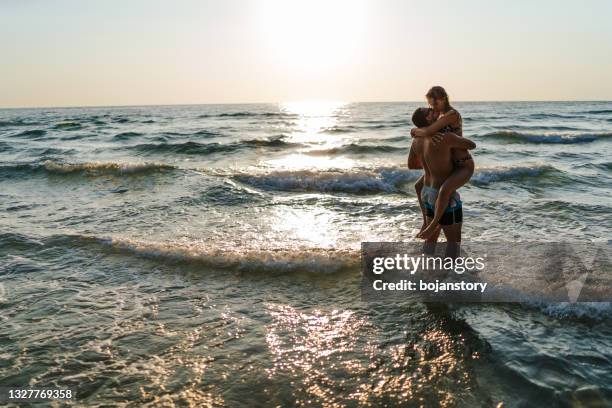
x=516, y=137
x=67, y=125
x=549, y=129
x=226, y=194
x=390, y=122
x=19, y=241
x=127, y=135
x=381, y=180
x=109, y=167
x=339, y=129
x=211, y=148
x=50, y=153
x=17, y=122
x=378, y=180
x=581, y=310
x=260, y=114
x=353, y=148
x=607, y=166
x=206, y=133
x=360, y=128
x=31, y=133
x=403, y=138
x=202, y=133
x=246, y=114
x=599, y=112
x=554, y=116
x=290, y=260
x=186, y=148
x=483, y=176
x=94, y=168
x=75, y=136
x=5, y=147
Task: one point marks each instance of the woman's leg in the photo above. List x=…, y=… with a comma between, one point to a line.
x=429, y=246
x=457, y=179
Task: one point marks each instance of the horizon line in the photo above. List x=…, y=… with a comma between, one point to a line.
x=291, y=101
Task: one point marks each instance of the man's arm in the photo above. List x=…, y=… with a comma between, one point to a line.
x=457, y=142
x=447, y=120
x=413, y=160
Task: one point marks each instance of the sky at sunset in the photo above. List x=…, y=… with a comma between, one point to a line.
x=81, y=53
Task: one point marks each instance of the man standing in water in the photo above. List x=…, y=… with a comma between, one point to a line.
x=434, y=156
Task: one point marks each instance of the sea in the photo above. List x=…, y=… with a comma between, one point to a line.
x=209, y=255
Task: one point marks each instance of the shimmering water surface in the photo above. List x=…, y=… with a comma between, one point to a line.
x=210, y=255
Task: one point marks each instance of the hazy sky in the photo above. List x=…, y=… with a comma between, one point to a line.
x=107, y=52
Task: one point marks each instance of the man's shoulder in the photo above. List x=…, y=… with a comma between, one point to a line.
x=418, y=143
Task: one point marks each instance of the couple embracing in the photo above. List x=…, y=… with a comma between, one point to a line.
x=439, y=148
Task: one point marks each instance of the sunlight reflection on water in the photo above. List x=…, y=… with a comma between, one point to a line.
x=336, y=357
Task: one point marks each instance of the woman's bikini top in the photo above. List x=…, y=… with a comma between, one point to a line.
x=454, y=129
x=459, y=131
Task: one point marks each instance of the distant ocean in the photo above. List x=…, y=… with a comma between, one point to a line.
x=210, y=254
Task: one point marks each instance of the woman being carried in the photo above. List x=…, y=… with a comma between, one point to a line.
x=446, y=119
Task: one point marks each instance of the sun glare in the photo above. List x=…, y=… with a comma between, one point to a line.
x=314, y=117
x=313, y=34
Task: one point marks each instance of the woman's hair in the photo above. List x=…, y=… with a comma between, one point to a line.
x=436, y=93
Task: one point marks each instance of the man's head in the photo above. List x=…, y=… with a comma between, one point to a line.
x=420, y=117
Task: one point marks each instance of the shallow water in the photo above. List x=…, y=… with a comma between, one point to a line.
x=211, y=254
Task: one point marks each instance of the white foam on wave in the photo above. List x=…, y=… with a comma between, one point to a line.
x=589, y=310
x=137, y=167
x=379, y=180
x=548, y=138
x=486, y=175
x=384, y=179
x=314, y=260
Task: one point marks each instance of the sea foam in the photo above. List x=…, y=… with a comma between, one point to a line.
x=312, y=260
